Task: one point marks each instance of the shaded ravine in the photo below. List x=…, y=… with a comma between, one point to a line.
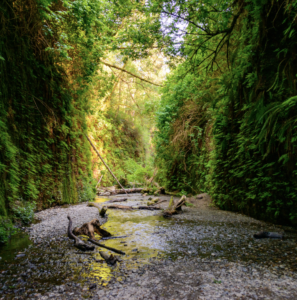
x=201, y=232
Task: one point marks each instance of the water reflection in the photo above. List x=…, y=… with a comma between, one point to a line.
x=139, y=246
x=17, y=243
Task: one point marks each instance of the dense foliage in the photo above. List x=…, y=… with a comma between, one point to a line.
x=227, y=119
x=122, y=121
x=239, y=74
x=50, y=51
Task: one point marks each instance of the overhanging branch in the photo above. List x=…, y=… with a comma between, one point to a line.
x=123, y=70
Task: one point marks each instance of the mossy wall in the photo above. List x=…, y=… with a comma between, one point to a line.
x=43, y=154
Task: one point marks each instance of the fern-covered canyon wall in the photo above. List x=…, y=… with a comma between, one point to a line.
x=229, y=109
x=43, y=154
x=55, y=84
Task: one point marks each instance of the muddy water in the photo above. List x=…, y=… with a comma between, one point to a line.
x=27, y=269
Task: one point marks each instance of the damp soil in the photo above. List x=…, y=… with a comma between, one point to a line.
x=41, y=263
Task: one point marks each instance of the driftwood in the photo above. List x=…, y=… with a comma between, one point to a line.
x=271, y=235
x=114, y=237
x=129, y=191
x=180, y=203
x=112, y=206
x=147, y=207
x=160, y=201
x=125, y=207
x=174, y=208
x=90, y=229
x=153, y=201
x=106, y=247
x=110, y=259
x=133, y=207
x=152, y=191
x=117, y=206
x=116, y=200
x=94, y=204
x=171, y=193
x=78, y=243
x=102, y=212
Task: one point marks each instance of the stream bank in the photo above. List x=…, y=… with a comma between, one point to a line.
x=203, y=253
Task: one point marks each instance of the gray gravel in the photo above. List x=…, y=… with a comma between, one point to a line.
x=203, y=253
x=54, y=221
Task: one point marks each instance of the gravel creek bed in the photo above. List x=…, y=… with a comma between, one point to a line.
x=202, y=253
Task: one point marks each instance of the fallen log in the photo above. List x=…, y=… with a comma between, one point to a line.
x=110, y=259
x=124, y=207
x=271, y=235
x=133, y=207
x=153, y=191
x=114, y=237
x=161, y=201
x=78, y=243
x=153, y=201
x=102, y=210
x=94, y=205
x=116, y=200
x=174, y=208
x=171, y=193
x=106, y=247
x=147, y=207
x=89, y=229
x=129, y=191
x=117, y=206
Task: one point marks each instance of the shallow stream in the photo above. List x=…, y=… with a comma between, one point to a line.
x=27, y=268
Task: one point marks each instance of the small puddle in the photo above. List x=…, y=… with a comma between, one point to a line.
x=13, y=247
